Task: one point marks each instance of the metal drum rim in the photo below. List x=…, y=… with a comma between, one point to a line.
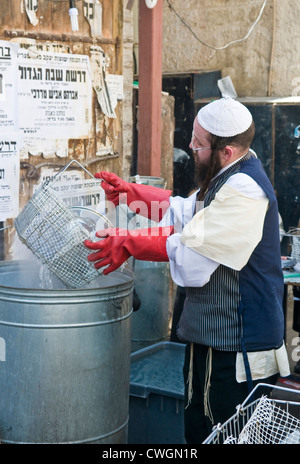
x=120, y=289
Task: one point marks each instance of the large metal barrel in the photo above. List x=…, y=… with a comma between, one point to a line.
x=150, y=324
x=65, y=359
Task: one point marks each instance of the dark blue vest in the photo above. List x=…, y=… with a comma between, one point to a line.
x=261, y=280
x=241, y=311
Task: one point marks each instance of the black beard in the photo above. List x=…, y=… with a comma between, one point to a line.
x=201, y=173
x=204, y=173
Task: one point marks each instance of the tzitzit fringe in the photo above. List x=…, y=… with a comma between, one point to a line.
x=207, y=408
x=190, y=376
x=208, y=371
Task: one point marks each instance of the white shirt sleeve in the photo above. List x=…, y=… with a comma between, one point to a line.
x=189, y=267
x=180, y=212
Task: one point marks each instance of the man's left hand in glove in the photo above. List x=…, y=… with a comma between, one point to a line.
x=117, y=245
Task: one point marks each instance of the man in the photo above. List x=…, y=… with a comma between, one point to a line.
x=223, y=246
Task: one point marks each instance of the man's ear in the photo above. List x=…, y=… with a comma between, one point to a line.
x=227, y=154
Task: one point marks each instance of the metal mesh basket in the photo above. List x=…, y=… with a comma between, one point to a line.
x=294, y=236
x=261, y=421
x=55, y=236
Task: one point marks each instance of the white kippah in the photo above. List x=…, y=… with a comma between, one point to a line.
x=225, y=117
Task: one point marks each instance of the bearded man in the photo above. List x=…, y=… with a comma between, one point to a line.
x=223, y=246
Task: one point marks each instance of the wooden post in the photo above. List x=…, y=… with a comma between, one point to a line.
x=150, y=87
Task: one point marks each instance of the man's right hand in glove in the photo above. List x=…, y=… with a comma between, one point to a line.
x=119, y=244
x=149, y=201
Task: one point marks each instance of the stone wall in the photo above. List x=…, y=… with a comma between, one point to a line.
x=265, y=64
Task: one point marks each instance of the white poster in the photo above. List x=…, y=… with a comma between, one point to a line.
x=8, y=87
x=98, y=65
x=115, y=87
x=9, y=176
x=93, y=12
x=31, y=7
x=55, y=95
x=74, y=189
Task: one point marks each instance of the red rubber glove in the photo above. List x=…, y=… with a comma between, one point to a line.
x=146, y=200
x=118, y=245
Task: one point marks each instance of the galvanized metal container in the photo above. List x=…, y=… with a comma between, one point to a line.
x=150, y=324
x=148, y=180
x=65, y=363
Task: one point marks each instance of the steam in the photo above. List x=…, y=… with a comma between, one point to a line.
x=32, y=272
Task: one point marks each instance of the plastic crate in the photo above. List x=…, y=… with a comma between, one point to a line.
x=156, y=403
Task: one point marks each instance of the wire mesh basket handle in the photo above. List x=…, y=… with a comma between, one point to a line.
x=271, y=387
x=55, y=177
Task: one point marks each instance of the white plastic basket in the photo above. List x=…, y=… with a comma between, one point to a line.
x=265, y=420
x=294, y=237
x=55, y=235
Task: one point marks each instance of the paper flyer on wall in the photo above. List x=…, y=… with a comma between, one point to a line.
x=74, y=189
x=8, y=86
x=98, y=68
x=9, y=175
x=58, y=91
x=93, y=13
